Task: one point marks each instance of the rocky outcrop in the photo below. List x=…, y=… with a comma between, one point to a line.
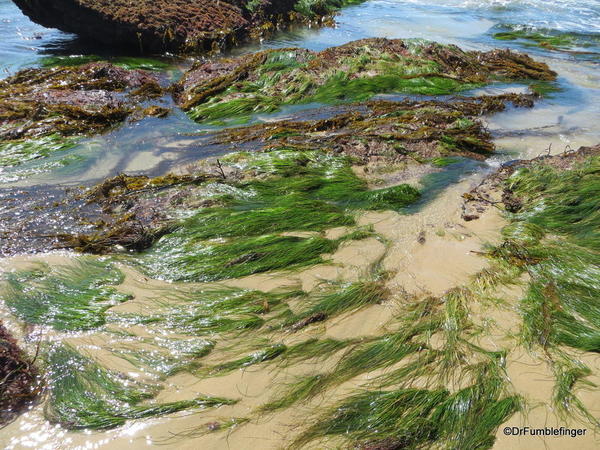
x=165, y=25
x=71, y=100
x=264, y=81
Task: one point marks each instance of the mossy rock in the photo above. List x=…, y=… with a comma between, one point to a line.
x=71, y=101
x=264, y=81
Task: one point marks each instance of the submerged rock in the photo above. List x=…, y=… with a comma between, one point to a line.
x=71, y=100
x=172, y=25
x=264, y=81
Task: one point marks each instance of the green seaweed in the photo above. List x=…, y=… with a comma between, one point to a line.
x=65, y=297
x=14, y=153
x=212, y=311
x=182, y=356
x=257, y=357
x=84, y=395
x=125, y=62
x=416, y=418
x=301, y=191
x=333, y=302
x=315, y=8
x=265, y=81
x=549, y=39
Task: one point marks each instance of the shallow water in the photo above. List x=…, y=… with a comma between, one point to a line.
x=565, y=119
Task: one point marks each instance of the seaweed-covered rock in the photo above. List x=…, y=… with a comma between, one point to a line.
x=393, y=131
x=171, y=25
x=19, y=384
x=70, y=100
x=264, y=81
x=493, y=191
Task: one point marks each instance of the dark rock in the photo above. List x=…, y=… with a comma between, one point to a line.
x=162, y=25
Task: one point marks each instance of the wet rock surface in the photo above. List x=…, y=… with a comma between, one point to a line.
x=493, y=191
x=167, y=25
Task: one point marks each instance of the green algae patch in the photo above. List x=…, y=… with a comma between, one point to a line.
x=263, y=82
x=124, y=62
x=416, y=418
x=14, y=153
x=298, y=192
x=212, y=311
x=175, y=258
x=85, y=395
x=570, y=42
x=552, y=205
x=555, y=238
x=66, y=298
x=465, y=417
x=333, y=302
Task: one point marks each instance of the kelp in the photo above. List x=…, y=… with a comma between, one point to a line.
x=64, y=297
x=84, y=395
x=352, y=72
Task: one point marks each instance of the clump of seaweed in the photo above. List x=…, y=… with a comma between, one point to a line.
x=396, y=131
x=84, y=395
x=412, y=418
x=298, y=192
x=67, y=297
x=214, y=311
x=14, y=153
x=20, y=384
x=332, y=302
x=351, y=72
